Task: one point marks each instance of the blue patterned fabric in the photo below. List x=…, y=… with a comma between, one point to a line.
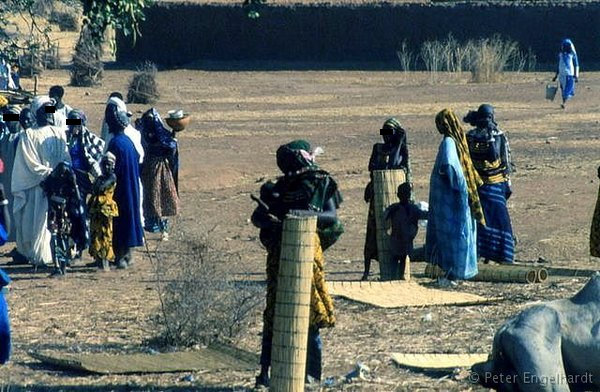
x=4, y=321
x=495, y=240
x=451, y=230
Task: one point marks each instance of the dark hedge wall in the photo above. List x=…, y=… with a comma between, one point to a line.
x=179, y=33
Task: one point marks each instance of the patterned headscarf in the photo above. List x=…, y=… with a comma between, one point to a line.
x=449, y=125
x=295, y=157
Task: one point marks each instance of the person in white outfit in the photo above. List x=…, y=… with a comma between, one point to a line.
x=6, y=80
x=40, y=149
x=568, y=70
x=61, y=109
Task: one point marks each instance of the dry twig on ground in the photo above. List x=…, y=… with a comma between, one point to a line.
x=200, y=300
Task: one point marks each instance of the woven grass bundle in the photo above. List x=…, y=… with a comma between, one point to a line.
x=385, y=184
x=87, y=65
x=292, y=307
x=143, y=87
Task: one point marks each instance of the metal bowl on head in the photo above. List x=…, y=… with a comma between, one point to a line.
x=179, y=124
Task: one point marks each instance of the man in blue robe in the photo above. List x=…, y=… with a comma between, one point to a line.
x=454, y=205
x=127, y=227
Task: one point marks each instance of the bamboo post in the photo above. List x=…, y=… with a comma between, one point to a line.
x=498, y=273
x=385, y=185
x=292, y=305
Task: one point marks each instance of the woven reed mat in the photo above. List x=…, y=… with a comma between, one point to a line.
x=438, y=361
x=212, y=358
x=397, y=294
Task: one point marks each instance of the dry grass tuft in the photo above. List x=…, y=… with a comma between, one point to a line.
x=143, y=87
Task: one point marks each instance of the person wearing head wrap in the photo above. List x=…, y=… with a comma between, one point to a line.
x=127, y=227
x=389, y=155
x=568, y=70
x=86, y=150
x=5, y=344
x=39, y=150
x=490, y=153
x=161, y=199
x=454, y=206
x=303, y=189
x=102, y=210
x=9, y=137
x=130, y=131
x=133, y=134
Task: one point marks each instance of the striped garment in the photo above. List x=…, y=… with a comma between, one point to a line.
x=495, y=240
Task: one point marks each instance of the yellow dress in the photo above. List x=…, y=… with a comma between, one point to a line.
x=102, y=210
x=321, y=303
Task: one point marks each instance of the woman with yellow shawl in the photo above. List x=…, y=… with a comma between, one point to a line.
x=454, y=206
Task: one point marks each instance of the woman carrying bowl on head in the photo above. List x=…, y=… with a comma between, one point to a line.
x=161, y=199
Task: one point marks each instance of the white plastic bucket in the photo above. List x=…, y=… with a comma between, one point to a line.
x=551, y=90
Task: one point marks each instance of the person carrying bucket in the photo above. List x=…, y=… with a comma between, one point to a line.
x=568, y=70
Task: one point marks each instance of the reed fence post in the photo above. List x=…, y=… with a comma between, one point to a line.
x=385, y=185
x=292, y=304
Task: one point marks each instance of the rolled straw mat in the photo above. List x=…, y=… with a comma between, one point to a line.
x=211, y=358
x=397, y=294
x=438, y=361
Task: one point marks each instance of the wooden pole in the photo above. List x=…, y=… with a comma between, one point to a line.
x=385, y=185
x=498, y=273
x=35, y=84
x=292, y=305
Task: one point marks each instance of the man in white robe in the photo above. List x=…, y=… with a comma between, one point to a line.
x=39, y=150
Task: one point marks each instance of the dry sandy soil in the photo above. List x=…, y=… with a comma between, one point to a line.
x=239, y=119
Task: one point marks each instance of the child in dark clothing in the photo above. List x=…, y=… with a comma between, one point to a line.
x=403, y=218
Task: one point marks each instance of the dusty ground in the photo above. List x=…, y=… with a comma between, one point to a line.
x=239, y=119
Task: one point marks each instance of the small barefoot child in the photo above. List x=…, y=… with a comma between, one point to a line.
x=102, y=210
x=403, y=217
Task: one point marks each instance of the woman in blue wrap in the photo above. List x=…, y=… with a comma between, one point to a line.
x=454, y=206
x=4, y=321
x=490, y=154
x=127, y=227
x=568, y=70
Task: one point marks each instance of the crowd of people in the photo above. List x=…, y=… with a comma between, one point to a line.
x=65, y=190
x=467, y=216
x=58, y=178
